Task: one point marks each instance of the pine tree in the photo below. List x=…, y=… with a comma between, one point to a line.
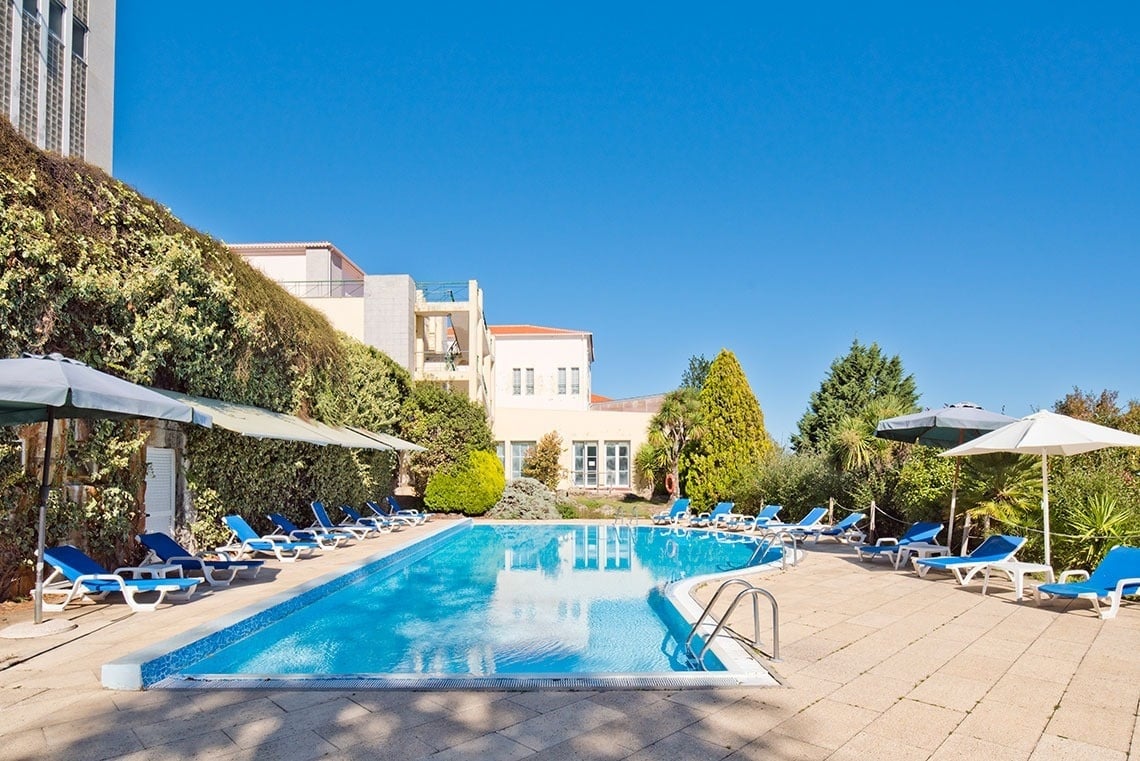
x=855, y=380
x=734, y=438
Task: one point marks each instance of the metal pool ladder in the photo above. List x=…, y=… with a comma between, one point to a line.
x=785, y=539
x=749, y=591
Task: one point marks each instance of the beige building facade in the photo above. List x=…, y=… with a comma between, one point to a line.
x=531, y=380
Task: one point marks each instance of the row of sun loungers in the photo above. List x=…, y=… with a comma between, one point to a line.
x=75, y=575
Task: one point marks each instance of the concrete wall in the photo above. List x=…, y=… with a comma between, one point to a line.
x=345, y=314
x=281, y=268
x=389, y=317
x=100, y=83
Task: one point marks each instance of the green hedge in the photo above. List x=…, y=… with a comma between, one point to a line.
x=472, y=487
x=94, y=270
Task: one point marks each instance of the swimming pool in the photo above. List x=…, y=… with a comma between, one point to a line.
x=491, y=601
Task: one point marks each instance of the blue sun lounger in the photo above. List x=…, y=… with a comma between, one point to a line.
x=326, y=539
x=249, y=542
x=380, y=522
x=705, y=520
x=995, y=549
x=394, y=509
x=844, y=532
x=358, y=530
x=378, y=510
x=768, y=514
x=217, y=573
x=674, y=515
x=923, y=532
x=807, y=523
x=1117, y=576
x=76, y=575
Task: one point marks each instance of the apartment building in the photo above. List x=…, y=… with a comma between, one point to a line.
x=436, y=331
x=531, y=380
x=57, y=75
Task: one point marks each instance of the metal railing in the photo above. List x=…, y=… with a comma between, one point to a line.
x=786, y=539
x=324, y=289
x=443, y=292
x=750, y=591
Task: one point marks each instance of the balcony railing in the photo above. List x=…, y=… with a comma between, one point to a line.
x=442, y=292
x=325, y=289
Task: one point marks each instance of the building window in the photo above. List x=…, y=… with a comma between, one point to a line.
x=562, y=380
x=55, y=19
x=78, y=39
x=617, y=463
x=530, y=381
x=31, y=6
x=519, y=451
x=501, y=453
x=575, y=381
x=586, y=463
x=516, y=381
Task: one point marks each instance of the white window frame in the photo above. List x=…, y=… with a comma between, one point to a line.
x=516, y=381
x=575, y=381
x=519, y=451
x=582, y=475
x=530, y=381
x=617, y=463
x=562, y=381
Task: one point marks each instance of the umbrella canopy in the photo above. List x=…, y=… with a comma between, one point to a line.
x=37, y=388
x=1044, y=433
x=947, y=427
x=944, y=428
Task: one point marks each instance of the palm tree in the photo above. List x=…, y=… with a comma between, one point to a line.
x=854, y=446
x=1004, y=487
x=675, y=425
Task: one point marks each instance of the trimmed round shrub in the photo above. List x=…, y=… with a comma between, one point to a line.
x=526, y=499
x=471, y=487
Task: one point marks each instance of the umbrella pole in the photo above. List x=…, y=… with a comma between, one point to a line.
x=1045, y=502
x=45, y=493
x=953, y=503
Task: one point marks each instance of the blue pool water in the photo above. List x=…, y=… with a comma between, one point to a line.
x=499, y=599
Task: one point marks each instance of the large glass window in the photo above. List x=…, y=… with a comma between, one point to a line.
x=519, y=451
x=575, y=381
x=501, y=453
x=585, y=463
x=516, y=381
x=562, y=380
x=617, y=463
x=530, y=381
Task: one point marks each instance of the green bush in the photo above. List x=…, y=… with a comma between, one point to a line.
x=472, y=487
x=449, y=424
x=797, y=482
x=526, y=499
x=566, y=510
x=542, y=461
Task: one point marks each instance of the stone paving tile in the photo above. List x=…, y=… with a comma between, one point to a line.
x=644, y=727
x=950, y=691
x=1053, y=748
x=827, y=723
x=320, y=716
x=467, y=725
x=965, y=748
x=877, y=693
x=544, y=701
x=681, y=746
x=168, y=730
x=489, y=746
x=107, y=742
x=591, y=746
x=1044, y=667
x=560, y=724
x=776, y=746
x=1111, y=729
x=27, y=744
x=995, y=722
x=864, y=746
x=210, y=745
x=736, y=725
x=1038, y=695
x=924, y=726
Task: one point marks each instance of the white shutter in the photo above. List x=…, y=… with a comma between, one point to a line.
x=160, y=490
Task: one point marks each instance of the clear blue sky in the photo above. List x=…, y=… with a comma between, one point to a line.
x=960, y=184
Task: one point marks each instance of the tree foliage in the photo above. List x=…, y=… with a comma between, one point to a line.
x=734, y=439
x=449, y=424
x=471, y=486
x=861, y=376
x=543, y=461
x=695, y=374
x=677, y=423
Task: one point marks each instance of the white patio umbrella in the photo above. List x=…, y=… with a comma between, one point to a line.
x=1044, y=433
x=37, y=388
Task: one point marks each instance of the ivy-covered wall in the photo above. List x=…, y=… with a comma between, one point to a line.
x=93, y=270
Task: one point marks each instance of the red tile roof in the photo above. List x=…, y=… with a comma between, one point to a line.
x=596, y=398
x=533, y=330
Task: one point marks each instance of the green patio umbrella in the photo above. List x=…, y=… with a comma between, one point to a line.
x=948, y=427
x=37, y=388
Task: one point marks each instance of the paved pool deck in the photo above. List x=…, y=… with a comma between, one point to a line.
x=877, y=663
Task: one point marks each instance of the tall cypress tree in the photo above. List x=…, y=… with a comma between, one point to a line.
x=863, y=375
x=734, y=437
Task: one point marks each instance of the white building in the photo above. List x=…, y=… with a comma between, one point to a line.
x=542, y=384
x=531, y=380
x=57, y=75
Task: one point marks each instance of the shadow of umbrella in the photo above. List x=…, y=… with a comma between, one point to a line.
x=948, y=427
x=38, y=388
